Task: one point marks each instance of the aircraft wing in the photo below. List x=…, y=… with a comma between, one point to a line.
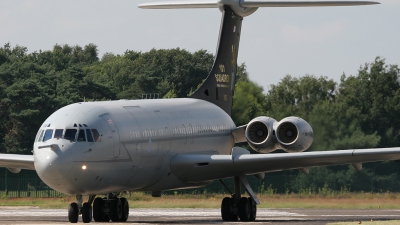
x=15, y=162
x=197, y=168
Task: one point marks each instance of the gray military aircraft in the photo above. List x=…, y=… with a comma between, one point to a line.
x=104, y=148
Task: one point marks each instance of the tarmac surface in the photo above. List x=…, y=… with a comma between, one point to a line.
x=31, y=215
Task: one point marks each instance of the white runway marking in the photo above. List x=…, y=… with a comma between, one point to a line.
x=33, y=212
x=15, y=212
x=202, y=212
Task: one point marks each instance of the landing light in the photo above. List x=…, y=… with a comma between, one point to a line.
x=84, y=167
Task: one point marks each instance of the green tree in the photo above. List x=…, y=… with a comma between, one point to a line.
x=298, y=96
x=26, y=101
x=248, y=102
x=375, y=92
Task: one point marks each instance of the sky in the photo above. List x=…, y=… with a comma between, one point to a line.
x=320, y=41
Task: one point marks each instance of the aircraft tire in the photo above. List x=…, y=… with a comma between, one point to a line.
x=86, y=212
x=106, y=217
x=226, y=210
x=125, y=210
x=253, y=209
x=73, y=212
x=115, y=210
x=244, y=209
x=98, y=209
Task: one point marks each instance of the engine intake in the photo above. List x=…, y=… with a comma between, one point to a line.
x=292, y=134
x=260, y=134
x=287, y=133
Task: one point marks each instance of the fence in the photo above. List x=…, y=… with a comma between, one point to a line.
x=24, y=184
x=334, y=179
x=374, y=178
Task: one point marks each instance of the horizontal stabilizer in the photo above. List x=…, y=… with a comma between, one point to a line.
x=260, y=3
x=179, y=4
x=248, y=4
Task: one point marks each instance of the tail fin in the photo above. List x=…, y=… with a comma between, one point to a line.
x=218, y=87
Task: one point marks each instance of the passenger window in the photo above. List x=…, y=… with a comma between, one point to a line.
x=48, y=135
x=89, y=135
x=81, y=135
x=58, y=133
x=70, y=134
x=96, y=135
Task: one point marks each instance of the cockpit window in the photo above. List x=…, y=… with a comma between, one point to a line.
x=96, y=135
x=48, y=134
x=58, y=133
x=81, y=135
x=70, y=134
x=40, y=138
x=89, y=135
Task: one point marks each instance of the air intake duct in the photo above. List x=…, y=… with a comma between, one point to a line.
x=260, y=134
x=292, y=134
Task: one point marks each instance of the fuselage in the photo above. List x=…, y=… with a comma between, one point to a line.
x=112, y=146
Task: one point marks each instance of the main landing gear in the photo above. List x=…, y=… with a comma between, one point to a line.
x=236, y=206
x=104, y=209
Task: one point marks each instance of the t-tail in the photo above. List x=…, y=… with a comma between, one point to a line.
x=219, y=85
x=218, y=88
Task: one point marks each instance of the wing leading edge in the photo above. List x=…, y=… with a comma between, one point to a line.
x=196, y=168
x=15, y=162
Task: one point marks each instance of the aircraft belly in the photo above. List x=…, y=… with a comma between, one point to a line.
x=98, y=178
x=171, y=182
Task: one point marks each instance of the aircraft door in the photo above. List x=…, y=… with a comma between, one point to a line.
x=165, y=142
x=185, y=132
x=113, y=134
x=147, y=131
x=191, y=137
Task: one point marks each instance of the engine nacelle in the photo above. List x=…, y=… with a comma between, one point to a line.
x=294, y=134
x=260, y=134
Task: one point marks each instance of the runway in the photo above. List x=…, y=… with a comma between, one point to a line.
x=29, y=215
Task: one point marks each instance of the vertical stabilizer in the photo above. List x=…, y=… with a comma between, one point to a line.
x=219, y=86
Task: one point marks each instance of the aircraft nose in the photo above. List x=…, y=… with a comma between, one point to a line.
x=51, y=163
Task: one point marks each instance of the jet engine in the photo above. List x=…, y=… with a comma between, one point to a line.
x=292, y=134
x=260, y=134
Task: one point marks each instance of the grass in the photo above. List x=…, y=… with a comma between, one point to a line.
x=142, y=200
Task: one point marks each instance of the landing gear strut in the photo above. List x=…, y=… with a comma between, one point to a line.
x=236, y=206
x=104, y=209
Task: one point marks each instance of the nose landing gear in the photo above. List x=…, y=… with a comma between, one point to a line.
x=104, y=209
